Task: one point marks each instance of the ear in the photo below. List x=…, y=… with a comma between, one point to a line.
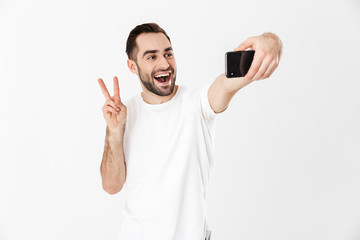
x=132, y=66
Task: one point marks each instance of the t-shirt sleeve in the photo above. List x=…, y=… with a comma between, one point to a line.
x=207, y=112
x=200, y=101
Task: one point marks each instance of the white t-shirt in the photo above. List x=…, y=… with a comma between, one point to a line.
x=169, y=151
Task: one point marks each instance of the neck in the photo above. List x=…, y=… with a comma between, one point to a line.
x=152, y=98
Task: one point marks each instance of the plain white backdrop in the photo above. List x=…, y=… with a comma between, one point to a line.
x=287, y=161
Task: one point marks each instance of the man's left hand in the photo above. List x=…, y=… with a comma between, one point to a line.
x=268, y=50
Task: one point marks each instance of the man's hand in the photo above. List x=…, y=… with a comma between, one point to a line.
x=268, y=50
x=114, y=110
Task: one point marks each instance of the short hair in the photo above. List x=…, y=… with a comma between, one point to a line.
x=143, y=28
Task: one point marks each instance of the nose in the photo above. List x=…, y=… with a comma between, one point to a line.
x=163, y=63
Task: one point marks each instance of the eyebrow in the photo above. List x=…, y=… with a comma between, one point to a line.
x=155, y=51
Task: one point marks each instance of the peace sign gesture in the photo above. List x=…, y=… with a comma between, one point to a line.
x=114, y=110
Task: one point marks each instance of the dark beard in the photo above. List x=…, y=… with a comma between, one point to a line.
x=148, y=82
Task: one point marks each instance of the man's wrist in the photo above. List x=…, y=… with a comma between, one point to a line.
x=115, y=134
x=232, y=85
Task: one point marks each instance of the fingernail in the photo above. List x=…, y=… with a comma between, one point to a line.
x=118, y=109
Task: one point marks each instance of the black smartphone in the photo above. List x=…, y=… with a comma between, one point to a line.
x=237, y=63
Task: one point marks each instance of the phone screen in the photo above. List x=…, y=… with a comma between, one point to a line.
x=237, y=63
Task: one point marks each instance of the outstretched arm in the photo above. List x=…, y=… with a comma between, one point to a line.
x=268, y=50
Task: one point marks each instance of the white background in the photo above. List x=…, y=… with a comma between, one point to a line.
x=287, y=149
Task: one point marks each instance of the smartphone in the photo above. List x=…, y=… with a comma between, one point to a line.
x=237, y=63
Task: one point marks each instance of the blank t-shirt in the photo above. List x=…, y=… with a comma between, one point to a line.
x=169, y=151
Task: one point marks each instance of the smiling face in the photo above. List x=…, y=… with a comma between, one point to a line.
x=155, y=63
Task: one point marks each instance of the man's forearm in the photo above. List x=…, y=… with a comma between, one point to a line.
x=113, y=167
x=222, y=90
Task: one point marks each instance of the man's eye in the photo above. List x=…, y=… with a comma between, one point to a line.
x=169, y=55
x=151, y=57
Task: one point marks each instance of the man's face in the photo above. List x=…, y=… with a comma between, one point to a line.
x=156, y=63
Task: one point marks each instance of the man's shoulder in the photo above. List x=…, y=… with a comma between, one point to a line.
x=132, y=98
x=195, y=87
x=194, y=90
x=131, y=101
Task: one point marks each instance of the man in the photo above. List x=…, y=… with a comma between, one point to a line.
x=159, y=144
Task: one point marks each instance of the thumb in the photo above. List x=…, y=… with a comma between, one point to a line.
x=244, y=45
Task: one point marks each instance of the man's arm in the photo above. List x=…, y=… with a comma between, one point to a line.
x=221, y=91
x=113, y=166
x=268, y=50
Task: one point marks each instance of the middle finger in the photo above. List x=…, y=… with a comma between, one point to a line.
x=262, y=70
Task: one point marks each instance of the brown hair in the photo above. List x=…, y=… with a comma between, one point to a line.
x=143, y=28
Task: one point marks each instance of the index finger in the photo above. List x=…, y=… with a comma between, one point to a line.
x=104, y=89
x=248, y=43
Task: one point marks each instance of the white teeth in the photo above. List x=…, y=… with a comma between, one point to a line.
x=162, y=75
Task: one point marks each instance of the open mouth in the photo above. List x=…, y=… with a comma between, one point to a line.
x=163, y=77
